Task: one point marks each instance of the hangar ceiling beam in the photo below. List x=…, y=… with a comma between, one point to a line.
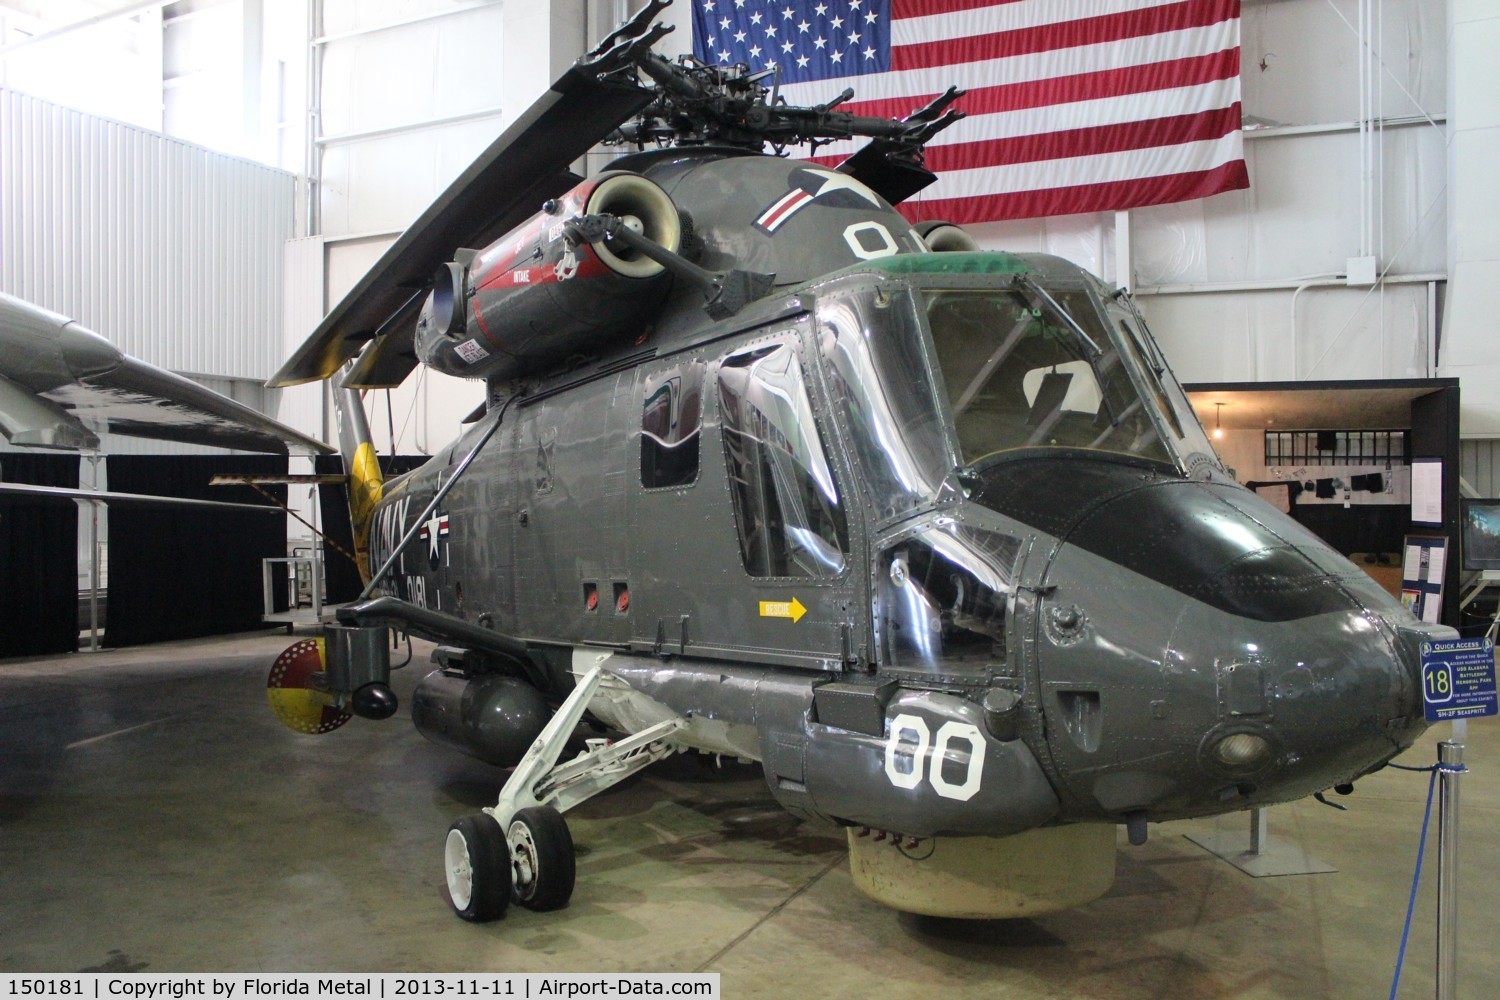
x=87, y=22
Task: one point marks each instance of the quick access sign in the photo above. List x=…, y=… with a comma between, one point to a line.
x=1458, y=679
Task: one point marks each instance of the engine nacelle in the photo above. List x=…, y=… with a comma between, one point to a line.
x=529, y=300
x=491, y=717
x=945, y=237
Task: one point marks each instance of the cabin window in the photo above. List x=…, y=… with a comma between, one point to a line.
x=671, y=420
x=786, y=506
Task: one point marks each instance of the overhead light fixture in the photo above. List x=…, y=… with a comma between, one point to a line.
x=1219, y=422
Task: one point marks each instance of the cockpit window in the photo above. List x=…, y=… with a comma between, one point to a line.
x=943, y=595
x=786, y=505
x=1028, y=368
x=1189, y=440
x=873, y=362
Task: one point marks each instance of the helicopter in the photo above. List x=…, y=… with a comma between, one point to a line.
x=767, y=471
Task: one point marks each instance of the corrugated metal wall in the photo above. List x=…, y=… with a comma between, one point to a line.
x=172, y=251
x=1480, y=461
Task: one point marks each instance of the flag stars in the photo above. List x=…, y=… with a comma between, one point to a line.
x=839, y=35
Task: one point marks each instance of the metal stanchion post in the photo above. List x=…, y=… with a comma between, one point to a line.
x=1450, y=762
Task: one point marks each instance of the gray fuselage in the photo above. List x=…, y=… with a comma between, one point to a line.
x=935, y=537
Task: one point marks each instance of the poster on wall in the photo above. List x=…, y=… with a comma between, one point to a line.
x=1422, y=570
x=1427, y=492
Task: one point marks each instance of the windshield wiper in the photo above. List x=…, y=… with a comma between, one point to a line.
x=1143, y=334
x=1025, y=279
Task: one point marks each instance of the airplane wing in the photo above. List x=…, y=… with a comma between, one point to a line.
x=509, y=181
x=60, y=384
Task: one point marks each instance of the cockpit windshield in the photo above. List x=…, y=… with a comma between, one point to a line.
x=1024, y=365
x=1029, y=367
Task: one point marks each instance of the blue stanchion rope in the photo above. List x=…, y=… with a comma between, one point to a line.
x=1411, y=902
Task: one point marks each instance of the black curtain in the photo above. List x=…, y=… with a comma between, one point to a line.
x=341, y=582
x=179, y=573
x=1360, y=528
x=38, y=559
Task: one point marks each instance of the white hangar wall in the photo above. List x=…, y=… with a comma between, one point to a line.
x=170, y=250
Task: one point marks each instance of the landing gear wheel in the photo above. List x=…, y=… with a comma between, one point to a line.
x=477, y=866
x=541, y=857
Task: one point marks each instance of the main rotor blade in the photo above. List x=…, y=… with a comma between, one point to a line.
x=508, y=182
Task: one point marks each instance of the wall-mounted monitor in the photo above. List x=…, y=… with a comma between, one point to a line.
x=1481, y=534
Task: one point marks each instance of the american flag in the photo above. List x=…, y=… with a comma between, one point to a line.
x=1074, y=105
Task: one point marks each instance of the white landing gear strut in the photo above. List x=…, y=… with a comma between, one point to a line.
x=521, y=849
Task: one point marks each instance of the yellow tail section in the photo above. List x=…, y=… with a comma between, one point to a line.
x=366, y=485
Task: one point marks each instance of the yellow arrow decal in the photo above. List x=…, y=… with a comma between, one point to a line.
x=792, y=609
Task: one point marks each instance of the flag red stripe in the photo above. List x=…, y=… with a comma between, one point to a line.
x=1170, y=131
x=1065, y=34
x=922, y=8
x=1112, y=196
x=1187, y=72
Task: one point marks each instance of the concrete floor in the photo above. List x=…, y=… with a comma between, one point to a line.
x=155, y=817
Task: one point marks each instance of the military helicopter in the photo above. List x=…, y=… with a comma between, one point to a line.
x=767, y=471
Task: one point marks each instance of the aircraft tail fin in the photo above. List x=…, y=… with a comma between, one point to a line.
x=362, y=466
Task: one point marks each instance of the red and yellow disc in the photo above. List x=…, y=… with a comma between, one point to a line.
x=289, y=688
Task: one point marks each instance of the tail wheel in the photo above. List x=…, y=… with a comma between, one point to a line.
x=294, y=698
x=477, y=867
x=541, y=857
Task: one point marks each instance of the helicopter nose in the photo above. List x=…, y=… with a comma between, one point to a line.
x=1199, y=651
x=1272, y=710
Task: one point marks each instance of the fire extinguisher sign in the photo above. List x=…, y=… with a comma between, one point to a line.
x=1458, y=679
